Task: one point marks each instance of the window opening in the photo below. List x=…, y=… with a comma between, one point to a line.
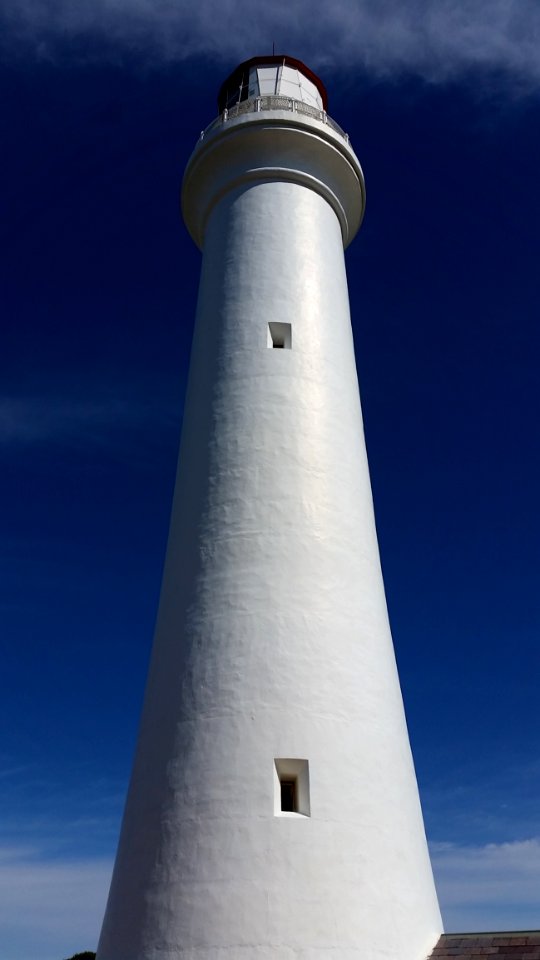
x=291, y=788
x=279, y=336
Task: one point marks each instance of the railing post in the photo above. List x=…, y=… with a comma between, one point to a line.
x=225, y=114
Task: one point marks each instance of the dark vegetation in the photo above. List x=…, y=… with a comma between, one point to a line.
x=85, y=955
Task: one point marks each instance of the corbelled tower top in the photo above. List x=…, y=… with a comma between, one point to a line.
x=273, y=125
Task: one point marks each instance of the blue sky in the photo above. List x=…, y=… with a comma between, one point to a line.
x=101, y=106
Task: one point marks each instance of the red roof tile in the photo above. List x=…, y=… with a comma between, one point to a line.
x=521, y=945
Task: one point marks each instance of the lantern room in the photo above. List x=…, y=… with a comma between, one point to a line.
x=273, y=76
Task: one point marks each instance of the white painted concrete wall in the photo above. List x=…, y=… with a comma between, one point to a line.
x=272, y=638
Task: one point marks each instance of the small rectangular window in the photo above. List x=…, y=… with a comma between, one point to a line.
x=279, y=336
x=291, y=788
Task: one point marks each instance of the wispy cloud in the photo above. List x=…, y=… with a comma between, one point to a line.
x=73, y=810
x=485, y=801
x=436, y=39
x=119, y=428
x=57, y=838
x=490, y=887
x=49, y=908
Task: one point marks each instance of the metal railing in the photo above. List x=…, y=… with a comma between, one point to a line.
x=256, y=104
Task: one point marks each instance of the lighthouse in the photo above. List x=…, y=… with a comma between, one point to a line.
x=273, y=810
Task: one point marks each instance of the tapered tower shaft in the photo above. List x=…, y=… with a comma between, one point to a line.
x=273, y=811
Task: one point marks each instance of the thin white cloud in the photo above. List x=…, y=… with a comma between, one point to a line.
x=77, y=813
x=436, y=39
x=50, y=909
x=485, y=800
x=491, y=887
x=103, y=422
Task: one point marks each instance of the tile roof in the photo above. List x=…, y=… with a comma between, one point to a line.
x=518, y=945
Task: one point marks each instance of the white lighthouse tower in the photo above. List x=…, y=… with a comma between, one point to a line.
x=273, y=811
